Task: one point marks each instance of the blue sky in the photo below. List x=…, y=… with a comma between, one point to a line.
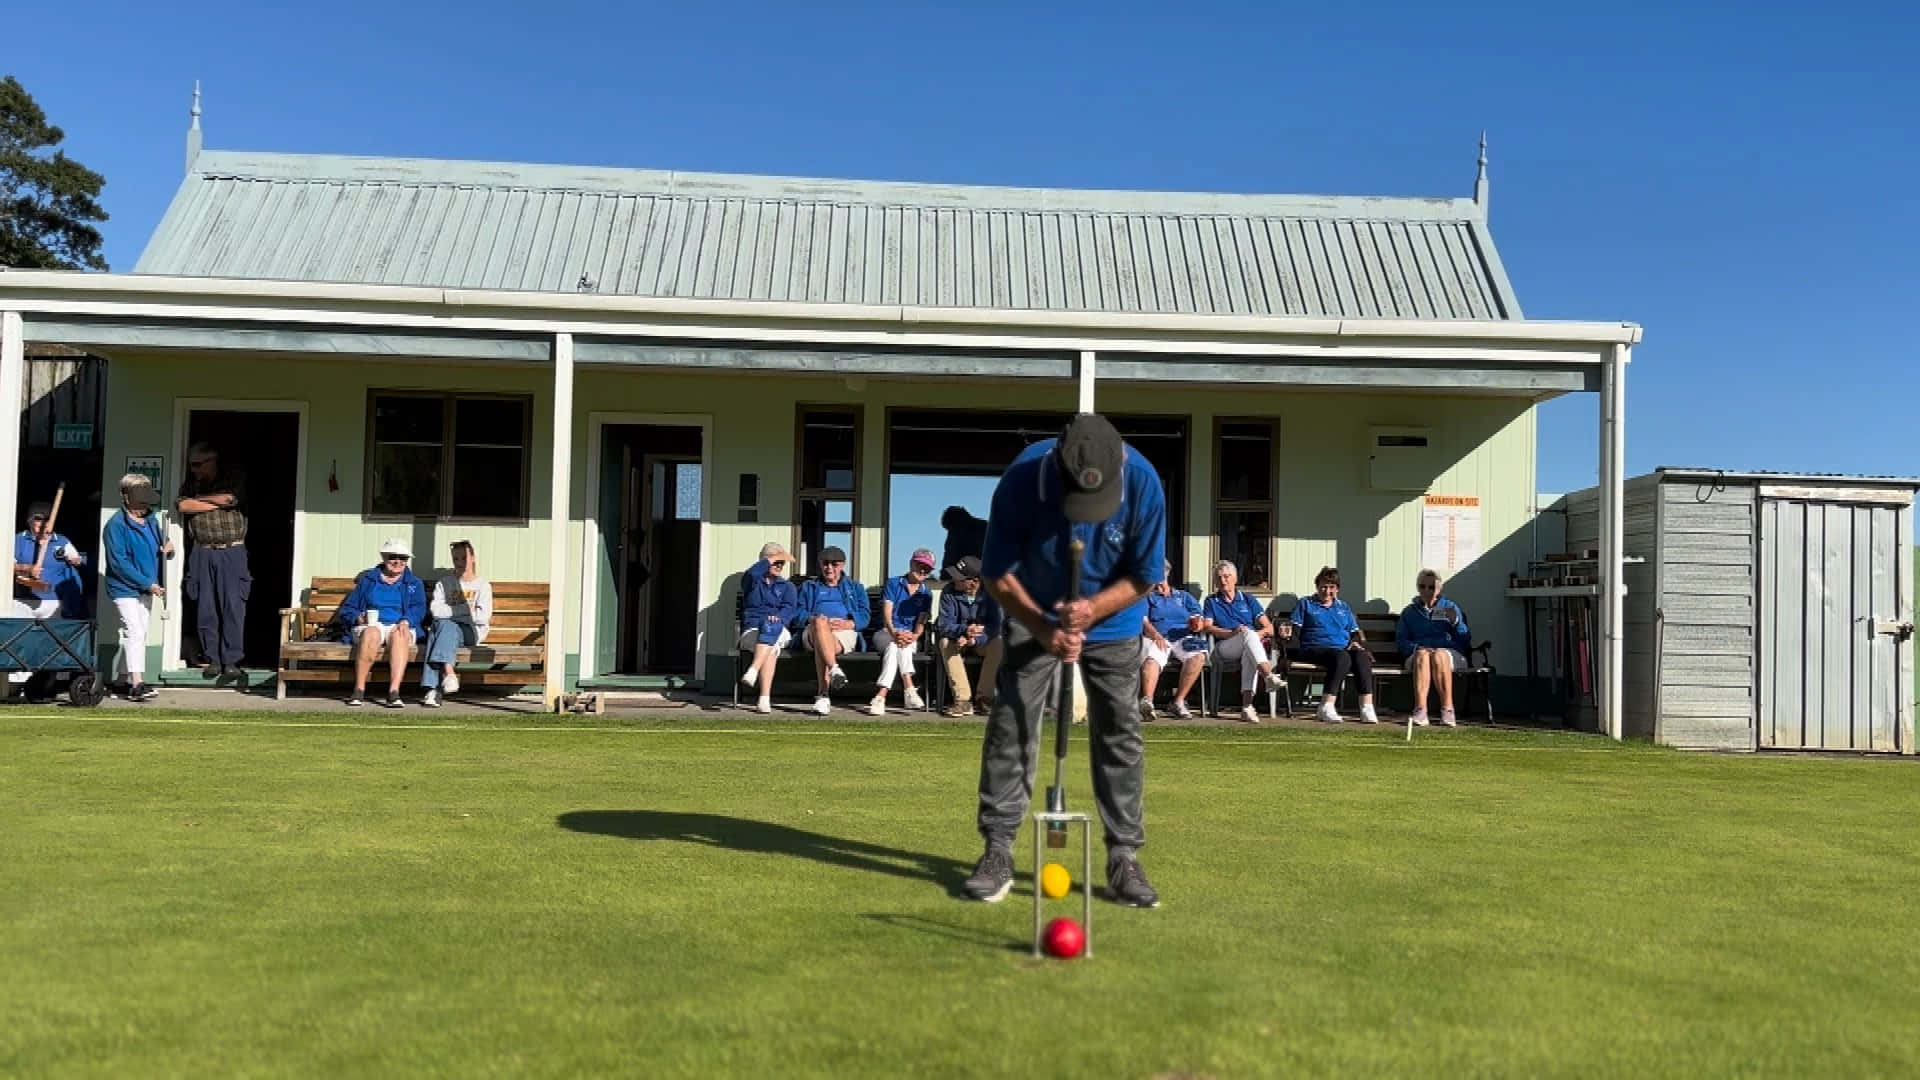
x=1740, y=184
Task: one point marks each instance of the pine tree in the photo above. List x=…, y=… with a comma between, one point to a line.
x=47, y=200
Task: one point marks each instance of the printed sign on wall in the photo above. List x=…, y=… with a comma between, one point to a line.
x=1449, y=532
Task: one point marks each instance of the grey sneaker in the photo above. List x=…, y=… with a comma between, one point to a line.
x=1146, y=710
x=1127, y=884
x=992, y=876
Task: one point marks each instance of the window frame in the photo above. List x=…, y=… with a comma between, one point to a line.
x=802, y=493
x=1269, y=505
x=449, y=401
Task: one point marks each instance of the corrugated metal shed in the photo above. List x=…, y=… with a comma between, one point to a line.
x=1769, y=612
x=477, y=225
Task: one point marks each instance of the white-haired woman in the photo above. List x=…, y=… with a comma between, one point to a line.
x=769, y=603
x=1432, y=636
x=1236, y=621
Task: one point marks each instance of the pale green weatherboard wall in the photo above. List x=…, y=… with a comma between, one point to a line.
x=1483, y=447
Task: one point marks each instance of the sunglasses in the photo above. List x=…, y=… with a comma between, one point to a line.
x=395, y=558
x=1429, y=588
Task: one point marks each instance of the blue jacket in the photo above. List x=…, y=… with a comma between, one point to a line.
x=1169, y=615
x=851, y=593
x=957, y=611
x=405, y=601
x=132, y=551
x=908, y=608
x=1324, y=627
x=1420, y=628
x=1027, y=535
x=63, y=581
x=768, y=606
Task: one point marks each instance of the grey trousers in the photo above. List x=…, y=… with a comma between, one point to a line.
x=1025, y=693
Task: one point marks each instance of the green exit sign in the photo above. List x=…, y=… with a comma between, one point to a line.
x=73, y=436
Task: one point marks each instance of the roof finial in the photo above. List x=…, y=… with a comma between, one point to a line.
x=1480, y=179
x=193, y=132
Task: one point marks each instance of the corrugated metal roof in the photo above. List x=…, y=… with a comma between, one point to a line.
x=1695, y=472
x=477, y=225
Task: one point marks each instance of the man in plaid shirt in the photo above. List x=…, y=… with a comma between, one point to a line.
x=212, y=503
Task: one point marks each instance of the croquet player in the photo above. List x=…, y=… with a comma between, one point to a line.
x=1087, y=484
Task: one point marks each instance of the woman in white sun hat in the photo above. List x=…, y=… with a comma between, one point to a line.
x=385, y=608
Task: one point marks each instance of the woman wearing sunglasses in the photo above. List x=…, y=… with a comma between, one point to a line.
x=1433, y=641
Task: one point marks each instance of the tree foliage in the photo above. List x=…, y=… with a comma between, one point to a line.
x=48, y=205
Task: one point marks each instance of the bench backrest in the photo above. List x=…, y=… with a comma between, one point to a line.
x=519, y=608
x=1377, y=629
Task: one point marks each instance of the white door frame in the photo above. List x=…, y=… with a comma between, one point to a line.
x=175, y=569
x=597, y=422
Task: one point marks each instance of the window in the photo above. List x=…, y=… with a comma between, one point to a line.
x=827, y=487
x=447, y=457
x=1243, y=498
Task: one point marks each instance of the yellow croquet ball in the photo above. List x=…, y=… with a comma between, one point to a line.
x=1054, y=881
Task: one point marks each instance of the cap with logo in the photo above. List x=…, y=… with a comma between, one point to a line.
x=967, y=569
x=1093, y=462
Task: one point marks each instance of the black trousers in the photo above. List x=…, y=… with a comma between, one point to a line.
x=1337, y=662
x=1027, y=688
x=219, y=583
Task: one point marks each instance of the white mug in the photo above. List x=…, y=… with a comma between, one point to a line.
x=373, y=617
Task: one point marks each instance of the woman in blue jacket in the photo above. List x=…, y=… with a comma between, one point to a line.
x=1330, y=639
x=769, y=604
x=134, y=548
x=835, y=610
x=1432, y=636
x=386, y=607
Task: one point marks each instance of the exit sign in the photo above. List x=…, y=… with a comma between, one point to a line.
x=73, y=436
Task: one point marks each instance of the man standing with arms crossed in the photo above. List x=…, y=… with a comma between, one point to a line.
x=212, y=503
x=1090, y=484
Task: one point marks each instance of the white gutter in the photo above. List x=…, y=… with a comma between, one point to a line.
x=59, y=291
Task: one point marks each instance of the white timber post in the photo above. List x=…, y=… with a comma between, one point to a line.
x=561, y=490
x=1084, y=371
x=1613, y=521
x=13, y=374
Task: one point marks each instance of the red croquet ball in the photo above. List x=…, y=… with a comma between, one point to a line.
x=1065, y=939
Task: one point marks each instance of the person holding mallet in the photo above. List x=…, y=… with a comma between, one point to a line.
x=1091, y=487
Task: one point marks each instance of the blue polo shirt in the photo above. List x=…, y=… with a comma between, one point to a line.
x=1242, y=610
x=908, y=608
x=1169, y=615
x=1324, y=627
x=1027, y=535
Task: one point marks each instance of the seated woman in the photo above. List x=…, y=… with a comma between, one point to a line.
x=384, y=610
x=1173, y=631
x=834, y=609
x=768, y=606
x=1236, y=621
x=904, y=608
x=1330, y=638
x=461, y=606
x=1433, y=640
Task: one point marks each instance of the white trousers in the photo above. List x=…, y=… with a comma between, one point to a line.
x=1245, y=649
x=893, y=658
x=136, y=612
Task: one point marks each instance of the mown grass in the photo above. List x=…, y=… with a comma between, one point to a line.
x=226, y=895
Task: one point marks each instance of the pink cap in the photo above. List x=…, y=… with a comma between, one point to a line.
x=923, y=557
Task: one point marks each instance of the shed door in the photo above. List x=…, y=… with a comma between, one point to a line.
x=1832, y=595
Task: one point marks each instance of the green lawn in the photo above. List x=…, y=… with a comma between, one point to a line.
x=242, y=895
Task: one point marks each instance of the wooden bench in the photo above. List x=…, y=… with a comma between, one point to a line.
x=514, y=653
x=795, y=665
x=1377, y=631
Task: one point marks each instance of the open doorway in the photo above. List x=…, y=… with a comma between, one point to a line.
x=265, y=446
x=651, y=515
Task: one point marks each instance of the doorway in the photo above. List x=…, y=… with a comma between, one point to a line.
x=653, y=504
x=265, y=447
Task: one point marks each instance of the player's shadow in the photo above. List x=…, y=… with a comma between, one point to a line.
x=743, y=834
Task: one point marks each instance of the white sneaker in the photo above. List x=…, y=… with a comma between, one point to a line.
x=1328, y=714
x=913, y=699
x=431, y=699
x=1368, y=716
x=1180, y=710
x=877, y=707
x=1418, y=718
x=1146, y=710
x=751, y=678
x=822, y=706
x=1275, y=682
x=450, y=684
x=1248, y=716
x=836, y=678
x=1447, y=718
x=763, y=706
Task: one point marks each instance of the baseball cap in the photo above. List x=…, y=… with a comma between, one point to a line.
x=39, y=510
x=1093, y=465
x=141, y=495
x=832, y=554
x=396, y=546
x=923, y=557
x=965, y=570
